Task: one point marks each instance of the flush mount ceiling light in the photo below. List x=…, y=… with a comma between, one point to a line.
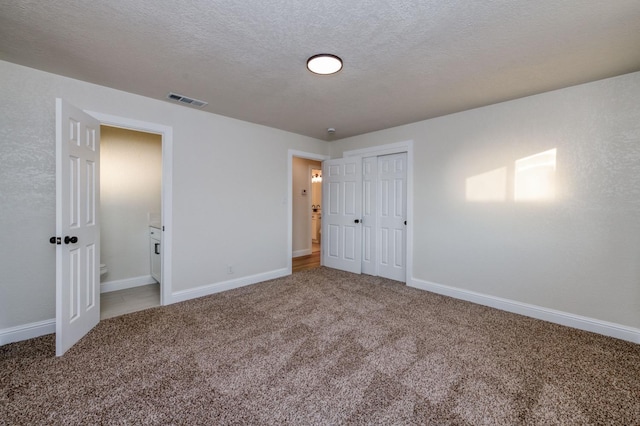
x=324, y=64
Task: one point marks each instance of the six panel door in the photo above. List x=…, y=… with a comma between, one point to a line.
x=341, y=214
x=77, y=224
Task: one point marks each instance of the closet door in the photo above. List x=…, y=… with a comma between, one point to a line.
x=341, y=214
x=369, y=216
x=391, y=216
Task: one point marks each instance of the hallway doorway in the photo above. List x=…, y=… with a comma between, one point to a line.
x=300, y=207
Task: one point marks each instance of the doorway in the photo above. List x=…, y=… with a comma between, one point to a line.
x=300, y=202
x=166, y=211
x=130, y=216
x=306, y=199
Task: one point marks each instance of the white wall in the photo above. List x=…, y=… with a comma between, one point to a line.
x=301, y=218
x=222, y=213
x=578, y=252
x=130, y=189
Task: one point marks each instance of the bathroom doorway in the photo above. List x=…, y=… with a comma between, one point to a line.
x=130, y=215
x=78, y=288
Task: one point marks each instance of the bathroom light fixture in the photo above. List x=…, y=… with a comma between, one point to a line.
x=324, y=64
x=316, y=178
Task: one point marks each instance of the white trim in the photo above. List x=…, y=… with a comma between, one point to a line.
x=166, y=132
x=289, y=198
x=116, y=285
x=396, y=148
x=378, y=150
x=298, y=253
x=606, y=328
x=27, y=331
x=181, y=296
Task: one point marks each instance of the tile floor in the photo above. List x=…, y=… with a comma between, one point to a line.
x=116, y=303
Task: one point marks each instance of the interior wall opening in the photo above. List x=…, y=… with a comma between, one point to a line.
x=130, y=226
x=306, y=213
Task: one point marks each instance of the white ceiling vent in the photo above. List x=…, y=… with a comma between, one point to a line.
x=185, y=100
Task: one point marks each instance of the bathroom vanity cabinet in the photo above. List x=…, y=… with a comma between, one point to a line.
x=154, y=248
x=316, y=223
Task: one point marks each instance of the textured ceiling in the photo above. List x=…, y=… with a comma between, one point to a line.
x=404, y=60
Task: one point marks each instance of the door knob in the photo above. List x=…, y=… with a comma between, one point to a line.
x=71, y=240
x=54, y=240
x=356, y=221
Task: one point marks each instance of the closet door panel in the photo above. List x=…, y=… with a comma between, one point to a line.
x=392, y=194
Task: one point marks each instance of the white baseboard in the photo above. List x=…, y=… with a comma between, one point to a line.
x=181, y=296
x=559, y=317
x=27, y=331
x=109, y=286
x=299, y=253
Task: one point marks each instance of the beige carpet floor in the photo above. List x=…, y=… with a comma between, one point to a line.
x=323, y=347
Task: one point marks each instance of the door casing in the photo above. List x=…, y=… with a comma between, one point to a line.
x=287, y=199
x=166, y=133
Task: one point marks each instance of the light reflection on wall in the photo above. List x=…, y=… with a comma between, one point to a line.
x=533, y=180
x=488, y=187
x=535, y=177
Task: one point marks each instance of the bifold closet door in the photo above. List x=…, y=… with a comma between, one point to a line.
x=341, y=214
x=369, y=215
x=364, y=215
x=391, y=216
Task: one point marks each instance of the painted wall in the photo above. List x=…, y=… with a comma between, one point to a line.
x=130, y=194
x=221, y=213
x=560, y=229
x=301, y=217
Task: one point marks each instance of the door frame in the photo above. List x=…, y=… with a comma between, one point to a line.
x=309, y=156
x=166, y=134
x=396, y=148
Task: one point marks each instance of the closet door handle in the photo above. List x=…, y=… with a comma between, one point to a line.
x=156, y=248
x=356, y=221
x=71, y=240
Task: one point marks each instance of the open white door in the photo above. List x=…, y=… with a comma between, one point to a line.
x=77, y=225
x=341, y=214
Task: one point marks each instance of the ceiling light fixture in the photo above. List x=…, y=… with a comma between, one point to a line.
x=324, y=64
